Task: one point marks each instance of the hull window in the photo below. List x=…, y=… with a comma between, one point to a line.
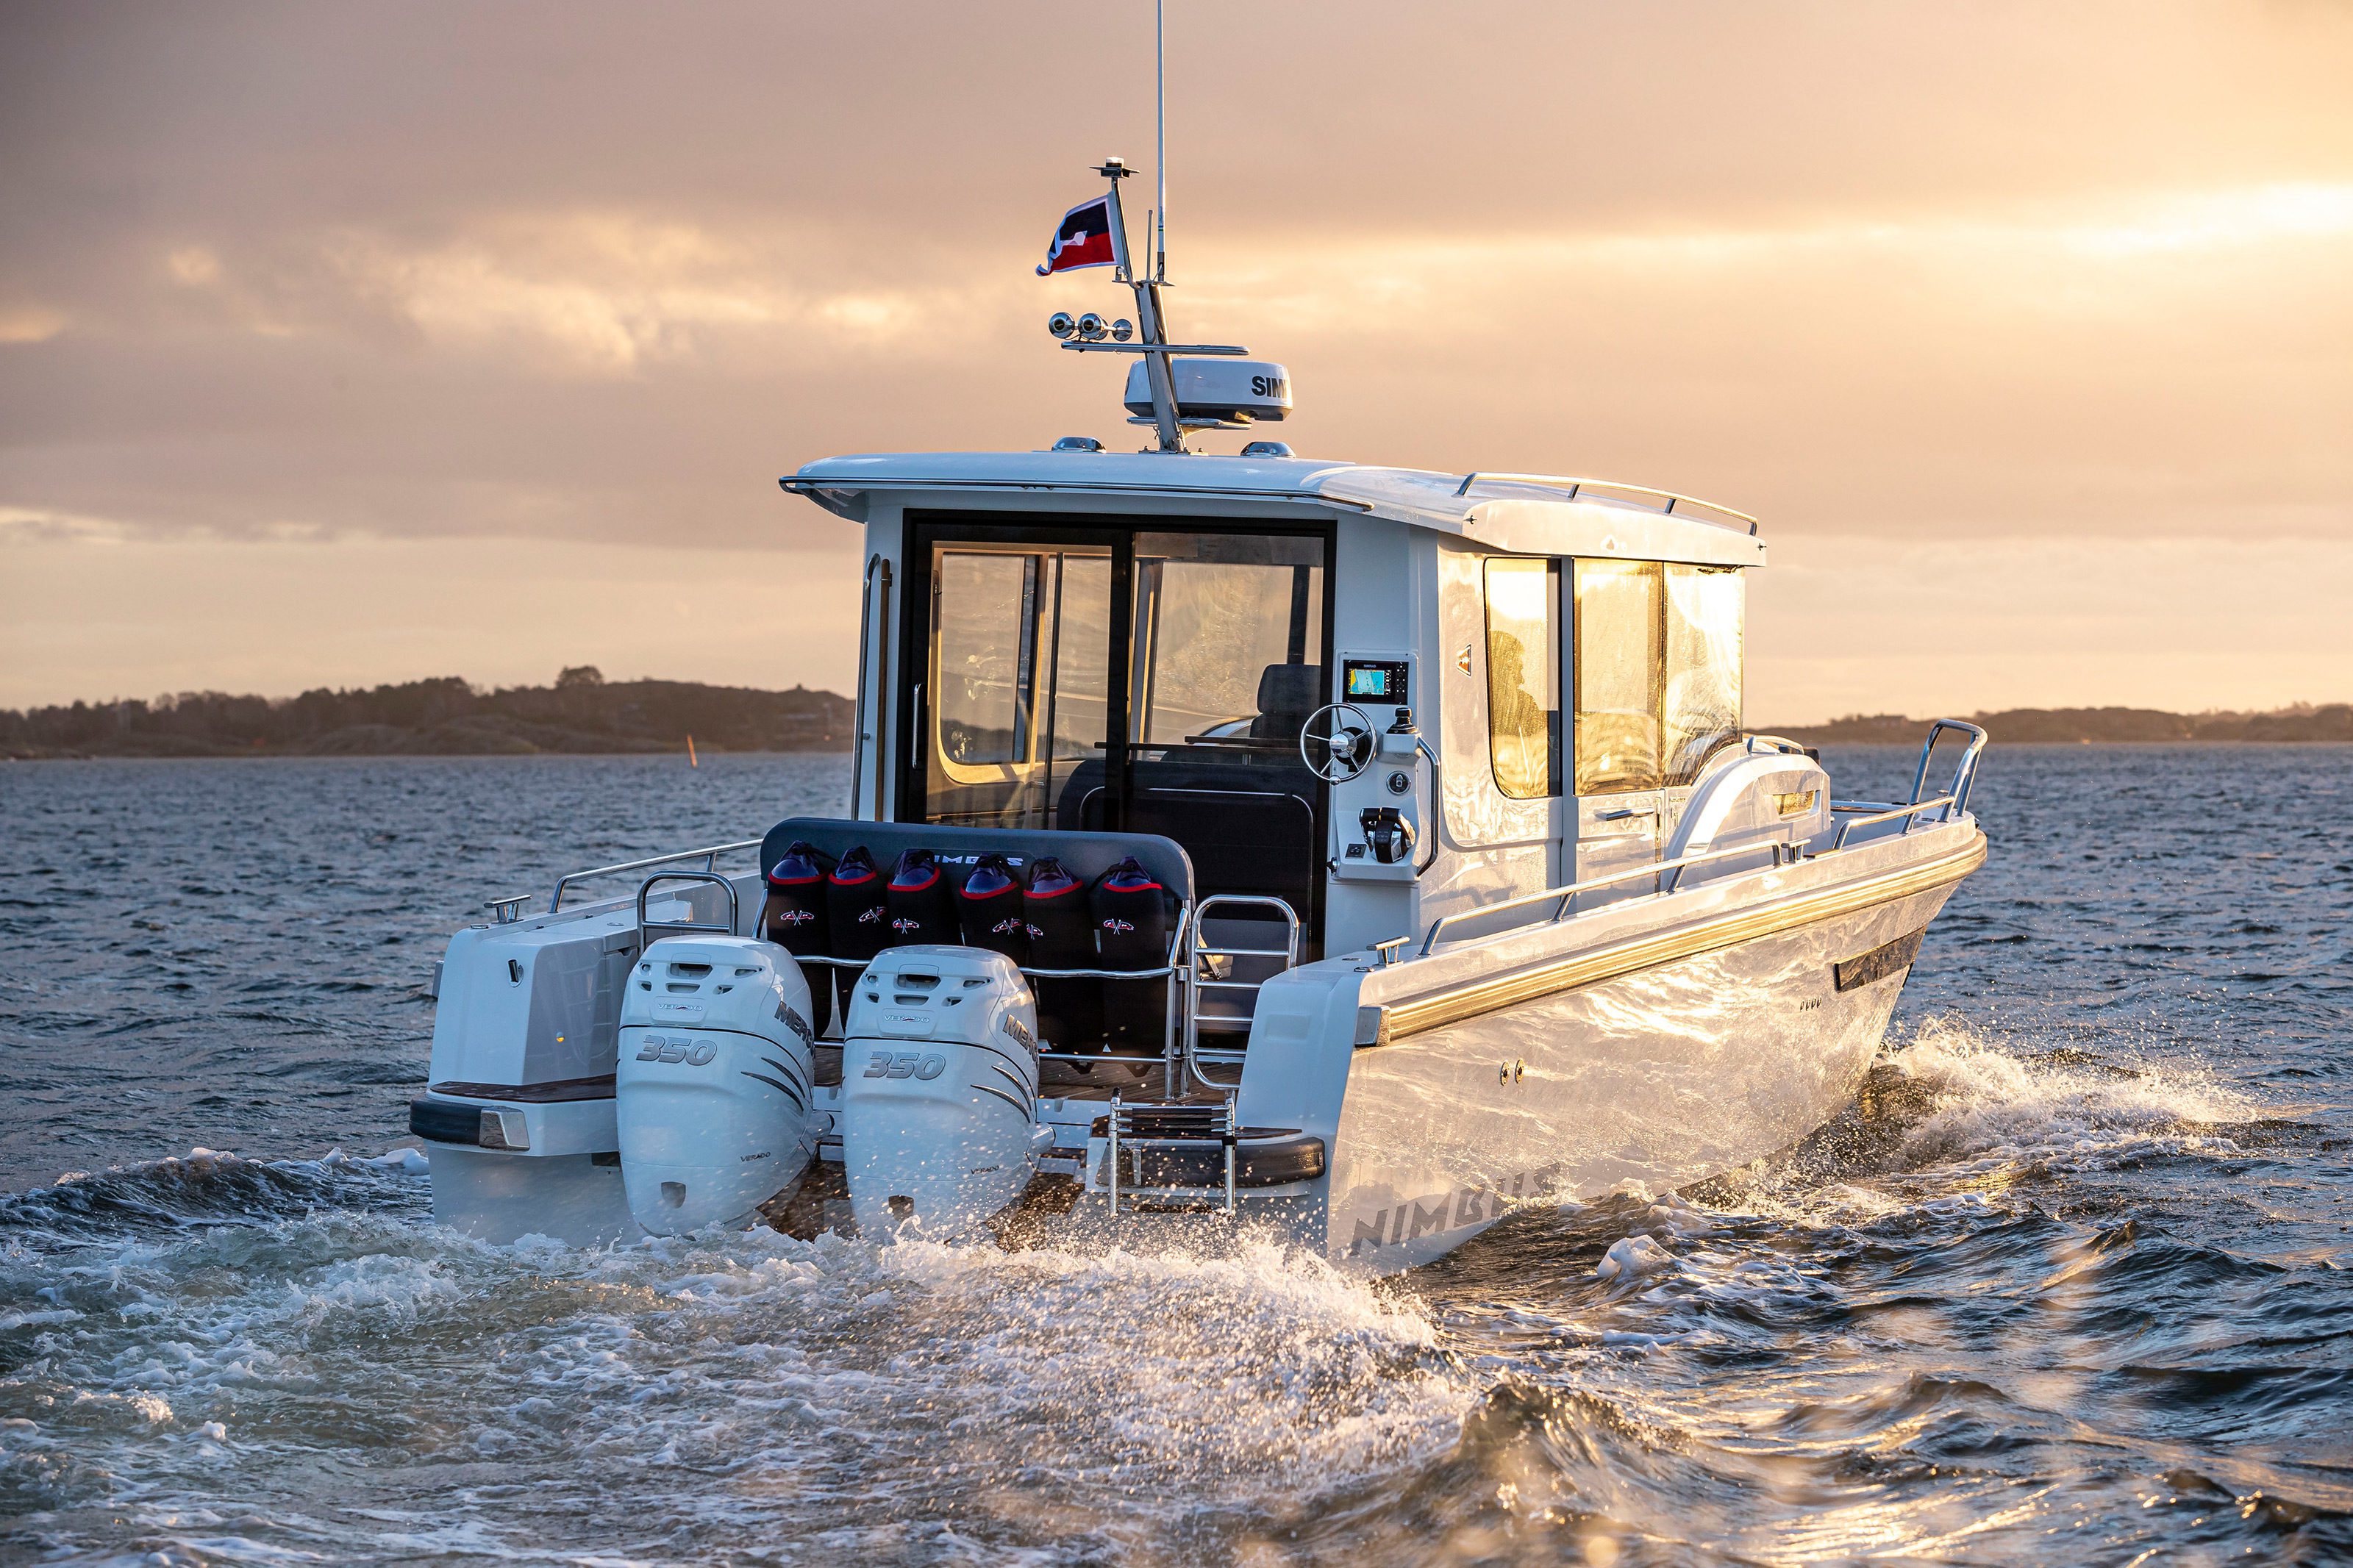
x=1523, y=692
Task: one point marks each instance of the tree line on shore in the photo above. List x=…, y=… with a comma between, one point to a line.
x=581, y=713
x=2097, y=726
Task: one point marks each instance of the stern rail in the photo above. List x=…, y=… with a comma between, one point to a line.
x=709, y=856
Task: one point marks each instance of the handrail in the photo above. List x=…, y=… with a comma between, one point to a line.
x=1964, y=772
x=689, y=926
x=1195, y=984
x=710, y=861
x=1591, y=884
x=1911, y=814
x=859, y=734
x=1953, y=803
x=1551, y=481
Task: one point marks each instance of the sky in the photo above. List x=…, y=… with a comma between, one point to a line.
x=364, y=343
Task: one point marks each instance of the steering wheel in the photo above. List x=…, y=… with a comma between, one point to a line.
x=1346, y=739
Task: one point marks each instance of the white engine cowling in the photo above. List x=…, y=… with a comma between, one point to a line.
x=713, y=1092
x=939, y=1088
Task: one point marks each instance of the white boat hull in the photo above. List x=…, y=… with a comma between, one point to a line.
x=1660, y=1077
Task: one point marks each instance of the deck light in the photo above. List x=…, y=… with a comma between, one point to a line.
x=1061, y=324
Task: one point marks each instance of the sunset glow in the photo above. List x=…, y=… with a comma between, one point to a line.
x=1898, y=281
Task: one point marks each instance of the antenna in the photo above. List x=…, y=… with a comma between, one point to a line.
x=1160, y=132
x=1229, y=399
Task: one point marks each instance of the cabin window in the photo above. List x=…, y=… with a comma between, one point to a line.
x=1658, y=672
x=1704, y=667
x=1620, y=675
x=1229, y=639
x=1522, y=689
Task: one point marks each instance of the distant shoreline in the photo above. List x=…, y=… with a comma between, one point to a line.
x=581, y=715
x=2303, y=724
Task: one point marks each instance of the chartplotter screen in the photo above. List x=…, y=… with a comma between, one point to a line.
x=1374, y=680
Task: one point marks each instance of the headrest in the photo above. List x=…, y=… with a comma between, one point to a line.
x=1291, y=688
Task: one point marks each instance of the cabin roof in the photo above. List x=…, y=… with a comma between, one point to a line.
x=1527, y=514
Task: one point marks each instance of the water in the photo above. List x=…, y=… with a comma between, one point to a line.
x=2068, y=1286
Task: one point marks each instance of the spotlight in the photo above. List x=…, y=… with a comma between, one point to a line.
x=1060, y=324
x=1092, y=327
x=1121, y=330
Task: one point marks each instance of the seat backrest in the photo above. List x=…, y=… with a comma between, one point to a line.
x=1287, y=695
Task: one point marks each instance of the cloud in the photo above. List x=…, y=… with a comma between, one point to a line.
x=30, y=324
x=1884, y=274
x=604, y=293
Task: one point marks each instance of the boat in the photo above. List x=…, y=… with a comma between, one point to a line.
x=1236, y=843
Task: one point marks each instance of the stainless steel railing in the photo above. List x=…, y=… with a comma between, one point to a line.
x=649, y=930
x=709, y=856
x=1670, y=873
x=1171, y=1035
x=1195, y=984
x=1610, y=488
x=1953, y=803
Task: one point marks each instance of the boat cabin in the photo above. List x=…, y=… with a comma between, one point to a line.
x=1381, y=696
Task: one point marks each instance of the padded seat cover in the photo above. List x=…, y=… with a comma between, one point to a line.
x=1288, y=695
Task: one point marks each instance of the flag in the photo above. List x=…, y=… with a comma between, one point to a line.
x=1082, y=240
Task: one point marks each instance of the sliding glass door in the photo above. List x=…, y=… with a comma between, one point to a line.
x=1018, y=678
x=1098, y=678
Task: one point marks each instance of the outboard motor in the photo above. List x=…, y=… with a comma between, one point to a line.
x=920, y=902
x=989, y=906
x=1061, y=924
x=1131, y=918
x=939, y=1090
x=855, y=902
x=712, y=1093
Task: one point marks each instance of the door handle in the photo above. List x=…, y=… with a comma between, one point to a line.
x=1623, y=812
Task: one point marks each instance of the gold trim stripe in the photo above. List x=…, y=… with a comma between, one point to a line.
x=1426, y=1013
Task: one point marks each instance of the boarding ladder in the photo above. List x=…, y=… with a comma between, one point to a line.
x=1145, y=1145
x=1182, y=1153
x=1210, y=971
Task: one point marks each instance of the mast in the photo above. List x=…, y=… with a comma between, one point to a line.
x=1150, y=330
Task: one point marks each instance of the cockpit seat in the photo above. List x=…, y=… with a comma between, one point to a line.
x=1288, y=696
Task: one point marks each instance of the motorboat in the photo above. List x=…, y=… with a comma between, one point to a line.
x=1242, y=840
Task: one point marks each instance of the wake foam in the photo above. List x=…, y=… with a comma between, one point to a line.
x=1970, y=1102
